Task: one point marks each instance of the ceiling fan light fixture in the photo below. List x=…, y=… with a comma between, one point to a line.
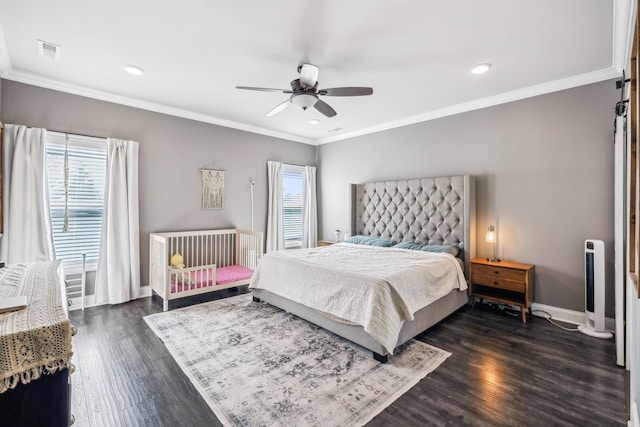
x=305, y=94
x=133, y=70
x=481, y=68
x=304, y=100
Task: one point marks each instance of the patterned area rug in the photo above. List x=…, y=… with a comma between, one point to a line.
x=257, y=365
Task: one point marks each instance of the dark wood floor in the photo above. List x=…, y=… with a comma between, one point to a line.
x=501, y=373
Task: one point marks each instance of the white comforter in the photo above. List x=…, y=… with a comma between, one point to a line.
x=377, y=288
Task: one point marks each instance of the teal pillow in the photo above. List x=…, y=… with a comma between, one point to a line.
x=450, y=249
x=371, y=241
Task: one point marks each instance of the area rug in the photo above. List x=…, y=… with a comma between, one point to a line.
x=256, y=365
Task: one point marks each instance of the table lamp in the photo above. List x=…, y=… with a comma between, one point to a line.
x=490, y=237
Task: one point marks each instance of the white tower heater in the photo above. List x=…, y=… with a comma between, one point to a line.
x=594, y=290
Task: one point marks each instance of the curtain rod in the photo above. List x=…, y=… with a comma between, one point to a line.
x=65, y=132
x=75, y=133
x=287, y=164
x=292, y=164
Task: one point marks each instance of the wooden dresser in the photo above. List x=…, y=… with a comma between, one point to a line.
x=505, y=281
x=35, y=348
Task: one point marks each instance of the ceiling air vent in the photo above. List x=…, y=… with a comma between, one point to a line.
x=49, y=50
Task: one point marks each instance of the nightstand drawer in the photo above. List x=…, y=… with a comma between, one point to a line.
x=500, y=272
x=498, y=282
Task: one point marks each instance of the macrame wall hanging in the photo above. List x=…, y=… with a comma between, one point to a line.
x=212, y=188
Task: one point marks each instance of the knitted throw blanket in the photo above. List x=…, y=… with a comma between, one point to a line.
x=37, y=339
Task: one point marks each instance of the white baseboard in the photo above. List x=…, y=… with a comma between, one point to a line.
x=569, y=316
x=557, y=313
x=90, y=300
x=145, y=291
x=564, y=315
x=634, y=421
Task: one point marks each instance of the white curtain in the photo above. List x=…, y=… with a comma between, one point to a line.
x=27, y=222
x=118, y=274
x=310, y=216
x=275, y=233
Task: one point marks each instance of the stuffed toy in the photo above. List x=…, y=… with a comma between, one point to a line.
x=177, y=261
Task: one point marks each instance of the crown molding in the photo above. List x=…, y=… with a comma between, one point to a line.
x=35, y=80
x=541, y=89
x=515, y=95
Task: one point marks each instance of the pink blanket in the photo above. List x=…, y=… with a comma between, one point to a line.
x=232, y=273
x=203, y=278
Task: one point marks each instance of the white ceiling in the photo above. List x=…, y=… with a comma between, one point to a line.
x=416, y=54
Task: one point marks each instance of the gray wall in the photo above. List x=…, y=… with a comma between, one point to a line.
x=543, y=166
x=544, y=174
x=172, y=150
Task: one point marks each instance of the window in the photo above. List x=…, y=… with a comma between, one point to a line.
x=87, y=168
x=292, y=205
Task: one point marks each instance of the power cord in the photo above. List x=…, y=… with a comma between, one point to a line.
x=503, y=309
x=511, y=312
x=549, y=318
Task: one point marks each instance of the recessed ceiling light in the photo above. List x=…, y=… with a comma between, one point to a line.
x=132, y=69
x=314, y=121
x=481, y=68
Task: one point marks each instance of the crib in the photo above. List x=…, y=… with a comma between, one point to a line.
x=213, y=260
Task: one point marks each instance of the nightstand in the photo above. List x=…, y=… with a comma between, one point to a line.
x=505, y=281
x=325, y=242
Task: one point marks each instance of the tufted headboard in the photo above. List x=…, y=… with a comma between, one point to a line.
x=437, y=211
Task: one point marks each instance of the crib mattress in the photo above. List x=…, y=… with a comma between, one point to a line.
x=205, y=278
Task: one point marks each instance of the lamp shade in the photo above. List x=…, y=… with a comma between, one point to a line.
x=304, y=100
x=490, y=237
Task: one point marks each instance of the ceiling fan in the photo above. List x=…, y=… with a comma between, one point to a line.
x=304, y=92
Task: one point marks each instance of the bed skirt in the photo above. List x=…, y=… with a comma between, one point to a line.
x=423, y=319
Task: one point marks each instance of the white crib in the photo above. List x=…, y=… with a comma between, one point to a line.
x=214, y=260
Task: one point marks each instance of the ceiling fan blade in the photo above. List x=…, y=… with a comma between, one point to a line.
x=275, y=110
x=308, y=75
x=325, y=108
x=263, y=89
x=346, y=91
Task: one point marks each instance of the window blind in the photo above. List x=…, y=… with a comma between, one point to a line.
x=292, y=205
x=87, y=168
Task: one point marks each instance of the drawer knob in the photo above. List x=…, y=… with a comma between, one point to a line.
x=72, y=419
x=495, y=283
x=496, y=272
x=72, y=368
x=74, y=331
x=69, y=302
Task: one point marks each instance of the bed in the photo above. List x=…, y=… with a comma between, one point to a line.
x=207, y=261
x=431, y=211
